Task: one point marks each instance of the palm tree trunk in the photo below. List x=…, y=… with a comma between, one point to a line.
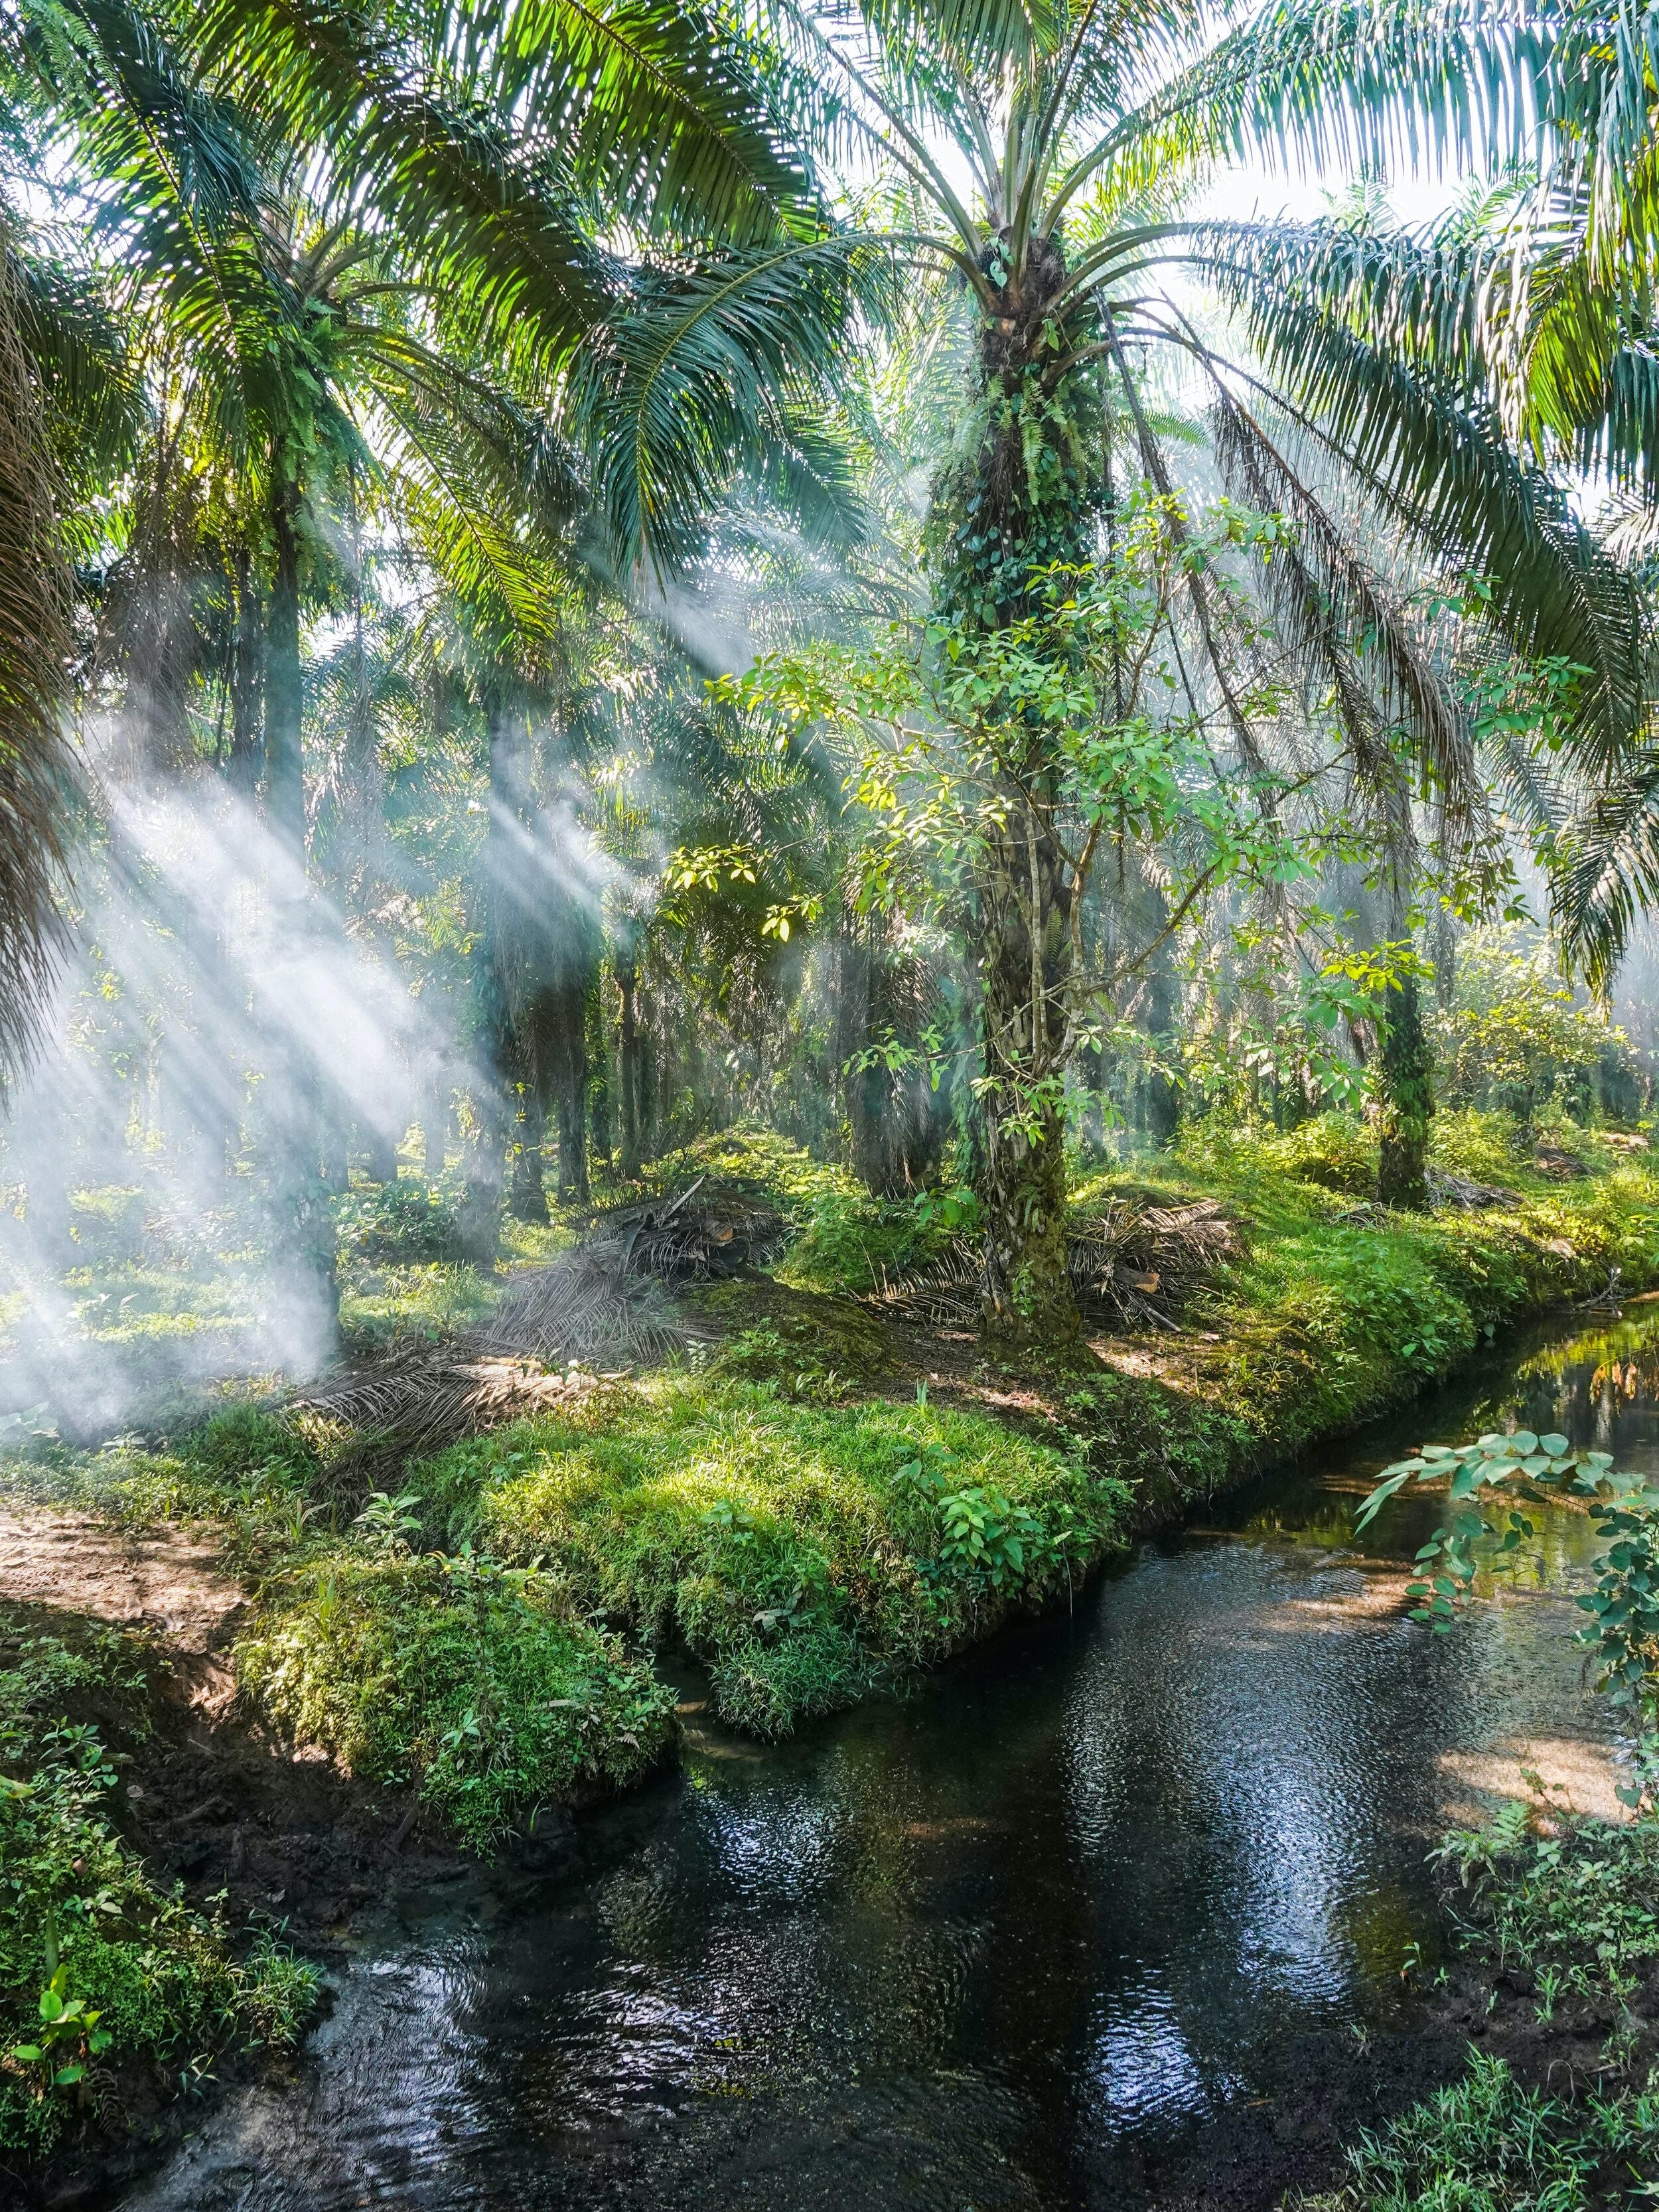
x=568, y=1082
x=627, y=1059
x=479, y=1213
x=1405, y=1080
x=1162, y=1097
x=601, y=1115
x=1405, y=1070
x=527, y=1197
x=285, y=798
x=247, y=761
x=492, y=1114
x=1016, y=505
x=305, y=1163
x=382, y=1151
x=1025, y=967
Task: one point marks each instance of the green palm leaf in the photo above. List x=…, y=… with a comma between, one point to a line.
x=1431, y=451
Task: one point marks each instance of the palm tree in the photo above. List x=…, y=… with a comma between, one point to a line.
x=379, y=335
x=1071, y=133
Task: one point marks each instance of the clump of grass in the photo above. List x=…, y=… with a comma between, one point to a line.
x=100, y=1969
x=805, y=1553
x=1488, y=2145
x=1577, y=1910
x=476, y=1684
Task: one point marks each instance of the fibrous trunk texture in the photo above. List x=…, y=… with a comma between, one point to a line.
x=1407, y=1071
x=1025, y=968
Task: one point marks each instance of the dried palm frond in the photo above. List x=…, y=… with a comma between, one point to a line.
x=1139, y=1261
x=1467, y=1196
x=585, y=1306
x=606, y=1300
x=948, y=1293
x=605, y=1303
x=1134, y=1265
x=709, y=1230
x=417, y=1402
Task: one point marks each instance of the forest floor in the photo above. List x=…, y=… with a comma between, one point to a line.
x=248, y=1698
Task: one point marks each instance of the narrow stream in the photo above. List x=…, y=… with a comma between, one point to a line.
x=1086, y=1920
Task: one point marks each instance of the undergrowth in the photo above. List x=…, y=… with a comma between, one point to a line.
x=803, y=1553
x=1576, y=1911
x=477, y=1684
x=1487, y=2144
x=1338, y=1309
x=1568, y=1920
x=102, y=1971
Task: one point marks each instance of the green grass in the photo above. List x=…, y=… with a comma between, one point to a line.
x=1339, y=1309
x=1577, y=1910
x=77, y=1903
x=480, y=1686
x=1488, y=2145
x=803, y=1553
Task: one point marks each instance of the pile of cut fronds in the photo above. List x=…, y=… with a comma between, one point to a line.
x=606, y=1301
x=1134, y=1267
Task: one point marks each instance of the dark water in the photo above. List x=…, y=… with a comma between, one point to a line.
x=1012, y=1943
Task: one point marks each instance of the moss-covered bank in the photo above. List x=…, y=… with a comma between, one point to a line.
x=832, y=1498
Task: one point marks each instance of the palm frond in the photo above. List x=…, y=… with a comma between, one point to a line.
x=1433, y=455
x=35, y=768
x=1605, y=870
x=90, y=393
x=1340, y=619
x=708, y=376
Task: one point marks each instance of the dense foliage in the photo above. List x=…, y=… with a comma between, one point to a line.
x=101, y=1969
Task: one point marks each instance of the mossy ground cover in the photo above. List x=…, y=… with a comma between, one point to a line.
x=804, y=1552
x=110, y=1983
x=481, y=1686
x=1339, y=1310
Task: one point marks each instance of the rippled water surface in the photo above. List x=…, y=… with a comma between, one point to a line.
x=1015, y=1941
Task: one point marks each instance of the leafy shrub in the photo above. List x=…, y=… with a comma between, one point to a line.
x=83, y=1930
x=853, y=1242
x=1483, y=1144
x=406, y=1221
x=1516, y=1039
x=1336, y=1152
x=803, y=1553
x=108, y=1223
x=477, y=1684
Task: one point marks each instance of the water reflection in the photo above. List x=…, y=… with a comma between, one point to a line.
x=1005, y=1944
